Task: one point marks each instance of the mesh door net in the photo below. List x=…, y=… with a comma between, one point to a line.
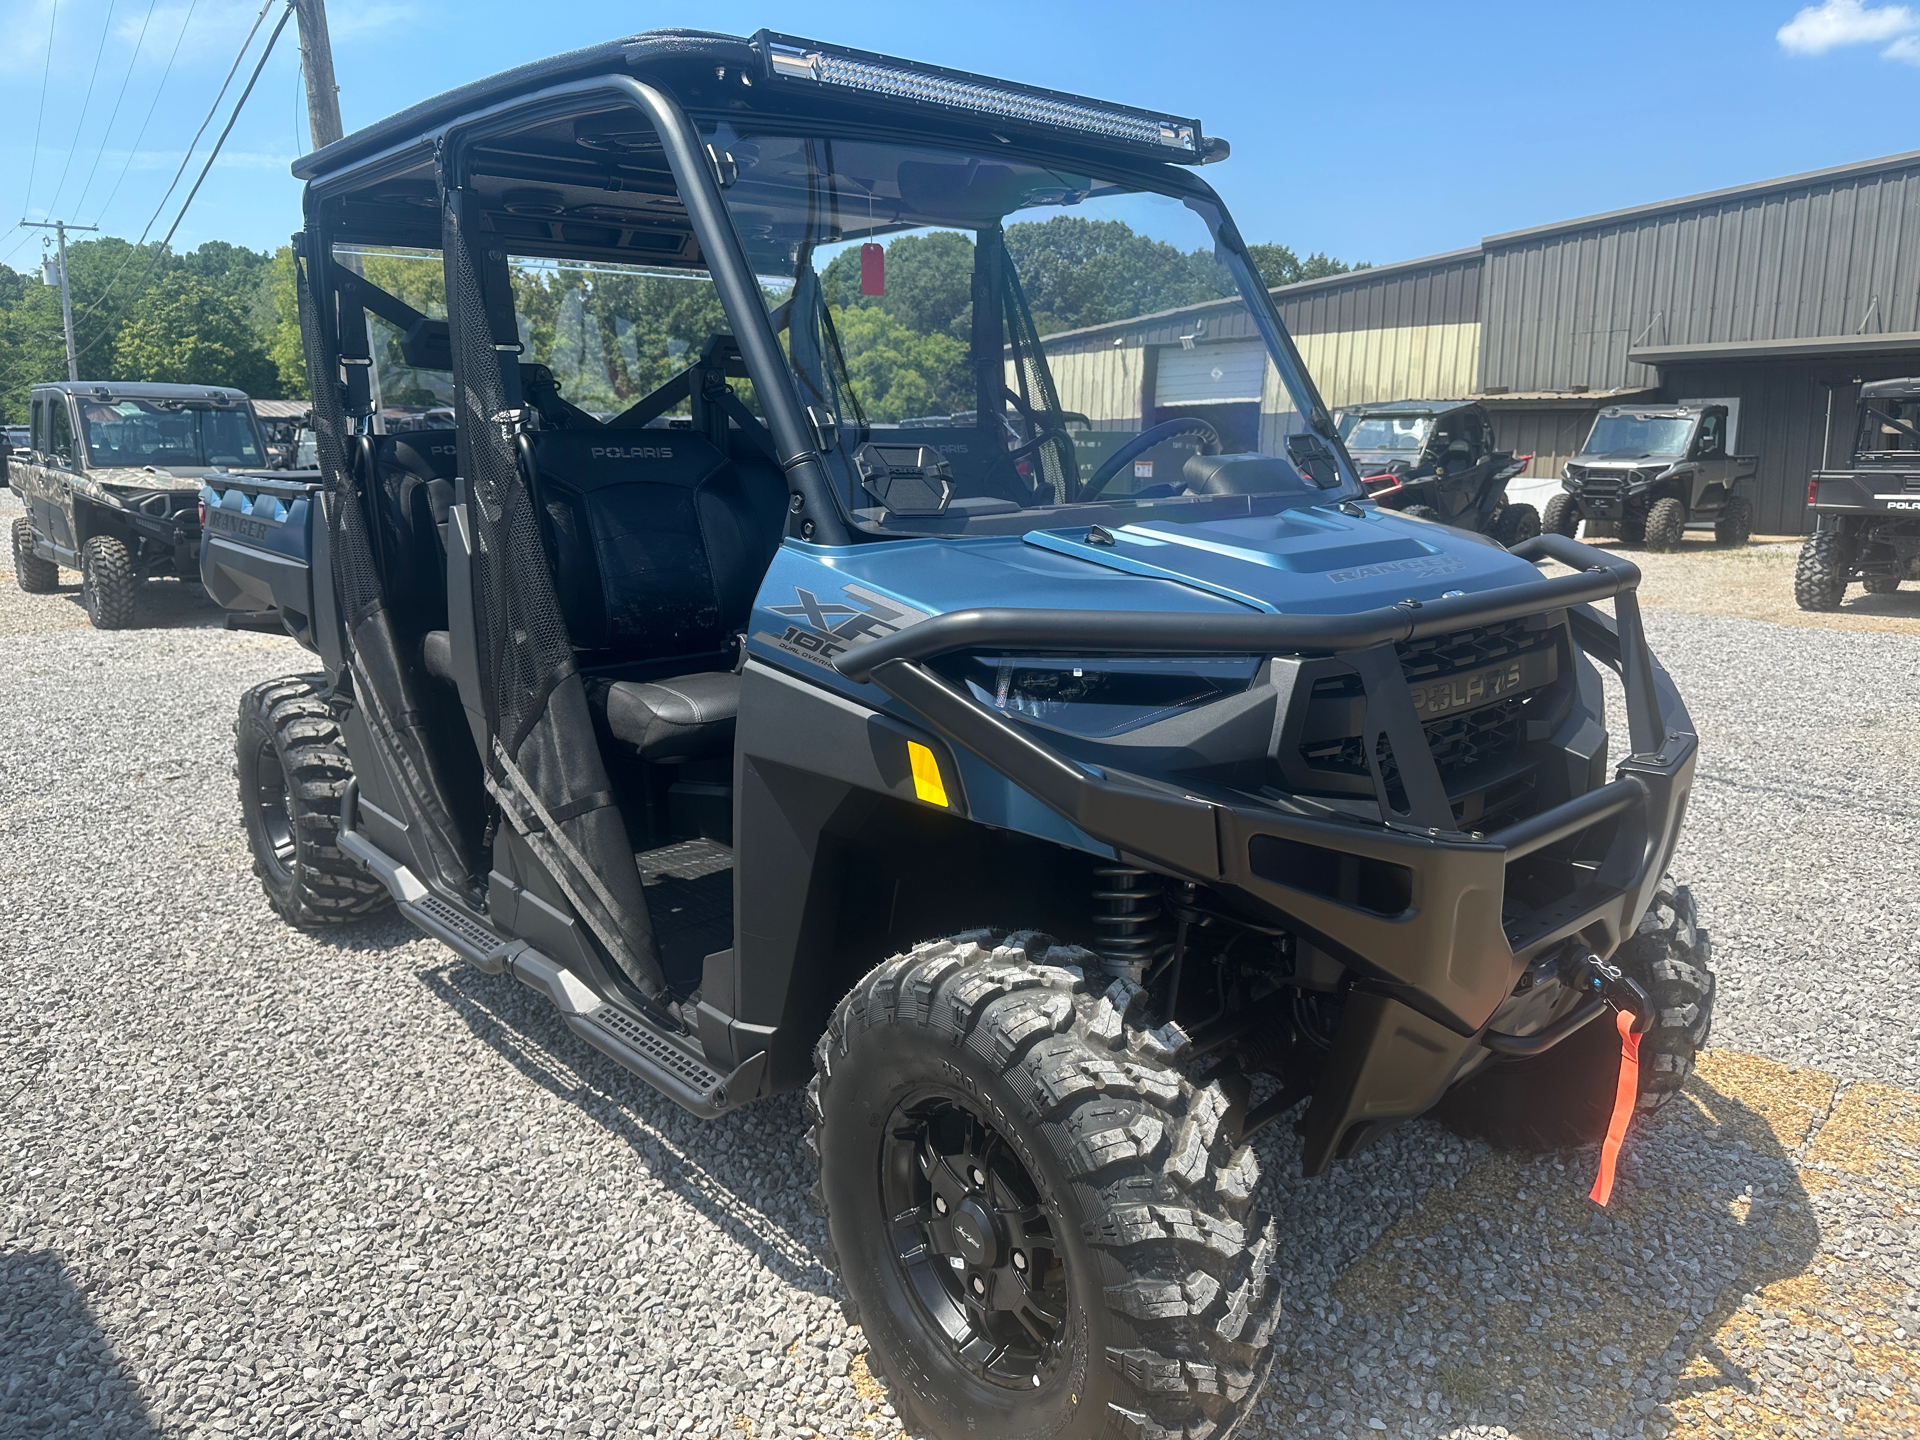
x=382, y=683
x=543, y=763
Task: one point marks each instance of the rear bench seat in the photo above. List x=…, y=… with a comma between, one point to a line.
x=658, y=543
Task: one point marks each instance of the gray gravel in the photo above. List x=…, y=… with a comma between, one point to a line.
x=259, y=1183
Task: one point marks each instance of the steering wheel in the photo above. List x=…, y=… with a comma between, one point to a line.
x=1145, y=441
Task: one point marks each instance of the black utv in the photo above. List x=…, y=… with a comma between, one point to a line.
x=1055, y=836
x=1652, y=470
x=1437, y=459
x=1867, y=516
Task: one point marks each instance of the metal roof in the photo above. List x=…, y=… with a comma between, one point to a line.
x=1753, y=189
x=1896, y=389
x=1811, y=347
x=144, y=390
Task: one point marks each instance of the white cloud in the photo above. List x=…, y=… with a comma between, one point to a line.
x=1906, y=50
x=1834, y=23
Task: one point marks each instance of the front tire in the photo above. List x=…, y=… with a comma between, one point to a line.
x=1565, y=1097
x=1666, y=524
x=35, y=576
x=1562, y=517
x=1820, y=577
x=1423, y=512
x=985, y=1104
x=1735, y=525
x=108, y=582
x=292, y=765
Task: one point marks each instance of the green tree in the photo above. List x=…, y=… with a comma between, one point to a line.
x=1278, y=265
x=187, y=331
x=1079, y=272
x=283, y=343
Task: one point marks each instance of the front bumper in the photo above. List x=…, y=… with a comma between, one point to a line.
x=1437, y=924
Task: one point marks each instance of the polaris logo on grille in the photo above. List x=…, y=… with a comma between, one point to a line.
x=1419, y=565
x=632, y=452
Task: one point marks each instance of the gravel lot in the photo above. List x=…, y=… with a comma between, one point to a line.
x=258, y=1183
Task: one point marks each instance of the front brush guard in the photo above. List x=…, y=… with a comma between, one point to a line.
x=1431, y=971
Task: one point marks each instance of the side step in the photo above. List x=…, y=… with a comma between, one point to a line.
x=672, y=1064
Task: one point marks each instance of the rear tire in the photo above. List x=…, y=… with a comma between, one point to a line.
x=292, y=765
x=1820, y=577
x=1666, y=524
x=107, y=582
x=1735, y=525
x=1066, y=1135
x=1565, y=1097
x=1514, y=524
x=35, y=576
x=1881, y=584
x=1562, y=517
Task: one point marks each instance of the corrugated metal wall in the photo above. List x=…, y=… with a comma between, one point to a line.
x=1552, y=437
x=1442, y=291
x=1830, y=256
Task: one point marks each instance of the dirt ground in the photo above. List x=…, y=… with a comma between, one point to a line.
x=1756, y=582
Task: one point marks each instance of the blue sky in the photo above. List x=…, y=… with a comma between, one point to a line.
x=1370, y=130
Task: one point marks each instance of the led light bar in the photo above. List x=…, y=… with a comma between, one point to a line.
x=892, y=79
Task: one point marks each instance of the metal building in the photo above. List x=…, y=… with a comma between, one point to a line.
x=1779, y=297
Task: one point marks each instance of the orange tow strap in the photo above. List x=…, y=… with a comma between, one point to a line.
x=1624, y=1096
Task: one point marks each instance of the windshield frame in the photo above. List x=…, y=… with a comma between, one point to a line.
x=166, y=404
x=1156, y=178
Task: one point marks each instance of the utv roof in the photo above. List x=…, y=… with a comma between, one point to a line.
x=104, y=390
x=1654, y=412
x=853, y=81
x=1891, y=389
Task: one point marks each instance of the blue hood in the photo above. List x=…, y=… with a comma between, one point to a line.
x=818, y=601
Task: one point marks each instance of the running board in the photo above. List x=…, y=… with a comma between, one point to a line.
x=672, y=1064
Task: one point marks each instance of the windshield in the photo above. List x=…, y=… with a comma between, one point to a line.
x=989, y=338
x=1404, y=434
x=1890, y=426
x=166, y=433
x=1617, y=433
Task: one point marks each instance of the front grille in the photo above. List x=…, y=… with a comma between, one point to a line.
x=1466, y=745
x=1439, y=656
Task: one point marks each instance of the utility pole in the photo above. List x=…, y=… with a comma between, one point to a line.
x=316, y=63
x=60, y=228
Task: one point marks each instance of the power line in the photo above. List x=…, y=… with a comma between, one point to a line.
x=113, y=115
x=127, y=164
x=185, y=160
x=81, y=123
x=205, y=170
x=33, y=167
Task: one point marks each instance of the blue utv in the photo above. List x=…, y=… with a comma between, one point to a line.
x=809, y=665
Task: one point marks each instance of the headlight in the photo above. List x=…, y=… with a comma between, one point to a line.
x=1098, y=696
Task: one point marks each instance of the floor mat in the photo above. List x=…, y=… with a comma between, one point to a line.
x=689, y=890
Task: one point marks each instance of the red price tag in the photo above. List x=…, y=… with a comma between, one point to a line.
x=873, y=269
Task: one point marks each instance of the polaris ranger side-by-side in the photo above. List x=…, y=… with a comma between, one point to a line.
x=1056, y=832
x=1436, y=459
x=1652, y=470
x=1867, y=517
x=111, y=480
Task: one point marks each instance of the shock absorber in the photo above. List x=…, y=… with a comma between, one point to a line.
x=1127, y=916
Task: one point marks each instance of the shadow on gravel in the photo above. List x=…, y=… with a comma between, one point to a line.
x=1518, y=1302
x=704, y=1162
x=161, y=604
x=58, y=1370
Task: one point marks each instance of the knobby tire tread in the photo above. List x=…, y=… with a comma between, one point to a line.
x=329, y=886
x=34, y=575
x=1151, y=1155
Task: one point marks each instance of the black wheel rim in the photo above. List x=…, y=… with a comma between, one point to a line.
x=270, y=805
x=977, y=1249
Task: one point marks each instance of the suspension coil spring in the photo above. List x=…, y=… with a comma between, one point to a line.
x=1127, y=916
